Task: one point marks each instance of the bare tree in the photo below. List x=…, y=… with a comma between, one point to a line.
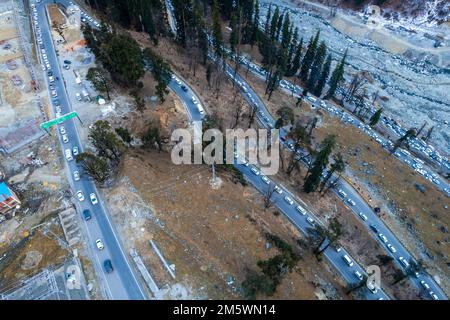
x=237, y=112
x=268, y=196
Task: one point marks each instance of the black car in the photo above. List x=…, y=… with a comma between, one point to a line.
x=373, y=228
x=108, y=266
x=87, y=214
x=49, y=73
x=183, y=87
x=56, y=102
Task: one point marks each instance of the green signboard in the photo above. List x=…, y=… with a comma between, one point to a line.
x=59, y=120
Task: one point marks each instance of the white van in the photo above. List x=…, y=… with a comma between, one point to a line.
x=348, y=260
x=68, y=154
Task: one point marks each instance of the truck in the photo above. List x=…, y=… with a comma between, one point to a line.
x=85, y=95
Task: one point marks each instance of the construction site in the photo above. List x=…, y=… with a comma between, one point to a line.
x=22, y=99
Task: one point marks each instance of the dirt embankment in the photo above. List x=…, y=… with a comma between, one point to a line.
x=212, y=235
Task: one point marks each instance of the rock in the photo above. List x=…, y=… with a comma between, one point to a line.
x=420, y=187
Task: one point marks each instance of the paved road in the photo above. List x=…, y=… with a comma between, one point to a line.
x=403, y=155
x=121, y=283
x=360, y=205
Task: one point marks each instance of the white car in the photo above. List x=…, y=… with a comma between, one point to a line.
x=78, y=96
x=424, y=284
x=62, y=130
x=99, y=244
x=382, y=237
x=255, y=171
x=350, y=201
x=358, y=275
x=288, y=200
x=404, y=262
x=301, y=210
x=76, y=175
x=434, y=296
x=363, y=216
x=278, y=190
x=80, y=195
x=265, y=179
x=310, y=220
x=75, y=151
x=391, y=248
x=93, y=198
x=65, y=138
x=342, y=193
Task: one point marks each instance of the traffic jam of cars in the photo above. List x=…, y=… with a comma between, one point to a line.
x=52, y=80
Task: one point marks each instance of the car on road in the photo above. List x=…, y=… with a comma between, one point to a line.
x=434, y=296
x=347, y=260
x=310, y=220
x=382, y=237
x=288, y=200
x=342, y=193
x=372, y=287
x=358, y=275
x=78, y=96
x=374, y=229
x=265, y=179
x=99, y=244
x=301, y=210
x=350, y=201
x=62, y=130
x=65, y=138
x=75, y=151
x=80, y=195
x=68, y=154
x=404, y=262
x=93, y=198
x=54, y=94
x=255, y=171
x=391, y=248
x=424, y=284
x=183, y=87
x=108, y=266
x=87, y=214
x=339, y=249
x=76, y=175
x=278, y=190
x=363, y=216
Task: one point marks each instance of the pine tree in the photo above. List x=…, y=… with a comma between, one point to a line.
x=336, y=77
x=313, y=179
x=293, y=44
x=323, y=77
x=296, y=60
x=217, y=31
x=234, y=33
x=376, y=117
x=273, y=24
x=278, y=29
x=247, y=17
x=255, y=31
x=267, y=25
x=316, y=66
x=309, y=57
x=285, y=34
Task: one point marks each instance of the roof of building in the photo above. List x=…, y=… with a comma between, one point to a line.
x=5, y=193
